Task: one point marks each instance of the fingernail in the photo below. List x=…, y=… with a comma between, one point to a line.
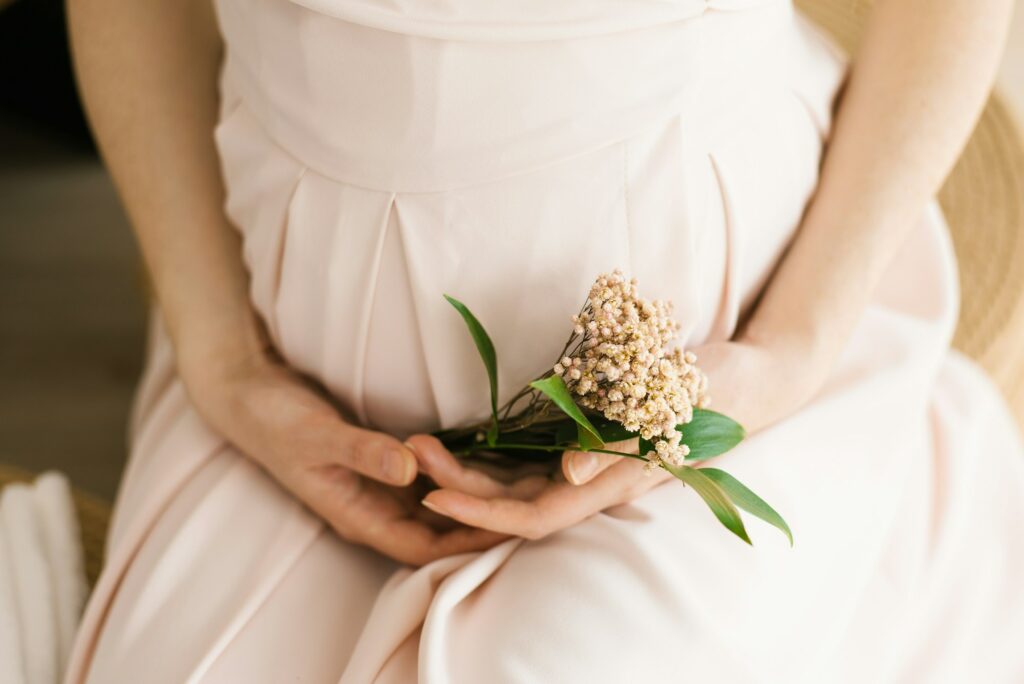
x=417, y=454
x=398, y=468
x=582, y=467
x=432, y=507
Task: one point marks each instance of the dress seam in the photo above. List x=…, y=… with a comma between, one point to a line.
x=318, y=169
x=627, y=206
x=725, y=322
x=414, y=303
x=367, y=314
x=285, y=229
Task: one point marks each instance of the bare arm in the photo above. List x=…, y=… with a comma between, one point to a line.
x=148, y=75
x=916, y=89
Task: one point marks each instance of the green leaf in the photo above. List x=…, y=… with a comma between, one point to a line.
x=554, y=389
x=586, y=440
x=490, y=359
x=714, y=496
x=646, y=446
x=710, y=434
x=748, y=500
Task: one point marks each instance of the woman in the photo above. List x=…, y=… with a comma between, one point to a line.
x=368, y=156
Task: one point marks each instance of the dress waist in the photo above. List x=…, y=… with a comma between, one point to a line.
x=366, y=94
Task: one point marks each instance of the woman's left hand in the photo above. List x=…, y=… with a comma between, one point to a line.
x=535, y=506
x=754, y=384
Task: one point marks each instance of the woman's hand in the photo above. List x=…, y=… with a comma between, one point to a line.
x=360, y=481
x=760, y=382
x=533, y=507
x=753, y=384
x=155, y=135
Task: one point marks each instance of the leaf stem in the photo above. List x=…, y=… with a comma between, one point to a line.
x=540, y=447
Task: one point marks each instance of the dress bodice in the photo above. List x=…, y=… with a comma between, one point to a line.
x=420, y=96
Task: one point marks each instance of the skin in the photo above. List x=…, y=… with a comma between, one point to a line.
x=147, y=72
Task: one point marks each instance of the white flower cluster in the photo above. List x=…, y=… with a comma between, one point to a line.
x=620, y=366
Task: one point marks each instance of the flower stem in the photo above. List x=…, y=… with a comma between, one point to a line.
x=540, y=447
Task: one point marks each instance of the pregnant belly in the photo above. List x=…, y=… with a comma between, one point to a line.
x=698, y=205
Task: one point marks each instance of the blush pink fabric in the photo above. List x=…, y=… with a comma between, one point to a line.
x=379, y=153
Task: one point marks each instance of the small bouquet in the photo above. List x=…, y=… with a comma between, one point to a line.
x=615, y=380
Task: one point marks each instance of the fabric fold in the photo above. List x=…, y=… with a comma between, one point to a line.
x=34, y=599
x=58, y=525
x=42, y=579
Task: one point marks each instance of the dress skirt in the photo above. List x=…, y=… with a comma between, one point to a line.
x=380, y=153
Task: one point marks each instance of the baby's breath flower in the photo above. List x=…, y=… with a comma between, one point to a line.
x=623, y=368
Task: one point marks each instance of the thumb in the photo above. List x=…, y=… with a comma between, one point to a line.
x=580, y=467
x=374, y=454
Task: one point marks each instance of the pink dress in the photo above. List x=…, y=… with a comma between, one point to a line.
x=379, y=153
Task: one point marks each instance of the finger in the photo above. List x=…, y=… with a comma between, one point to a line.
x=369, y=514
x=413, y=543
x=288, y=418
x=445, y=469
x=580, y=467
x=464, y=540
x=434, y=521
x=374, y=454
x=558, y=507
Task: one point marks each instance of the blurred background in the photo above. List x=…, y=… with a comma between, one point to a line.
x=72, y=312
x=72, y=304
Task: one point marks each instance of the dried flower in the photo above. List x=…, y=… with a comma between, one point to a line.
x=622, y=366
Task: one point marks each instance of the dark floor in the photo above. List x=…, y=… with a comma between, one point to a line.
x=71, y=311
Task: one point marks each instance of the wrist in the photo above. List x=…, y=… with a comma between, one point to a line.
x=211, y=350
x=805, y=353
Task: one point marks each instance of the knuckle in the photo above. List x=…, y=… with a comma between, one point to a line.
x=337, y=511
x=362, y=454
x=347, y=485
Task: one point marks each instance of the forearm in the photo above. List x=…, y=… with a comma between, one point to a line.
x=148, y=75
x=916, y=89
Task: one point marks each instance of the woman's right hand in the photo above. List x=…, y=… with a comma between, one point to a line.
x=358, y=480
x=156, y=138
